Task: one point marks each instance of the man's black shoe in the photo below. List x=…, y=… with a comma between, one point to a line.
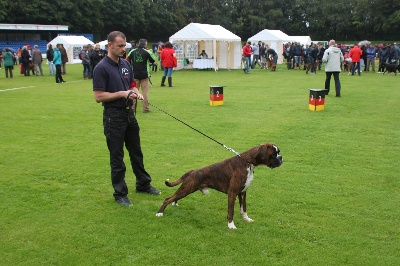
x=151, y=190
x=124, y=201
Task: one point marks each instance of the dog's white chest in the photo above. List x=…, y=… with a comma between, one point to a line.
x=250, y=177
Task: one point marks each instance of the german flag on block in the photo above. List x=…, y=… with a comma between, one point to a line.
x=316, y=102
x=216, y=95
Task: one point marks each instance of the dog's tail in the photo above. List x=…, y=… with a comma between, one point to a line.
x=177, y=182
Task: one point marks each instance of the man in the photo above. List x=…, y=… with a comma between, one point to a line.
x=37, y=60
x=84, y=56
x=371, y=53
x=246, y=53
x=383, y=55
x=355, y=54
x=393, y=54
x=114, y=86
x=50, y=56
x=64, y=59
x=262, y=55
x=271, y=54
x=333, y=58
x=320, y=54
x=139, y=59
x=312, y=57
x=288, y=55
x=297, y=52
x=256, y=56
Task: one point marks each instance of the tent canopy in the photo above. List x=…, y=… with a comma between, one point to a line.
x=302, y=39
x=204, y=32
x=271, y=35
x=103, y=45
x=222, y=46
x=73, y=45
x=71, y=40
x=275, y=39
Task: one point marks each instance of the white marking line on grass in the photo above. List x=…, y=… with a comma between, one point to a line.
x=13, y=89
x=29, y=87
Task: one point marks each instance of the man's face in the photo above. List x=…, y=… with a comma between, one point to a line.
x=117, y=47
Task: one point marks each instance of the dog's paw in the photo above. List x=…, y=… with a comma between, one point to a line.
x=231, y=225
x=174, y=203
x=205, y=191
x=159, y=214
x=247, y=218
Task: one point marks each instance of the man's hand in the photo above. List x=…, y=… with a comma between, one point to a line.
x=134, y=94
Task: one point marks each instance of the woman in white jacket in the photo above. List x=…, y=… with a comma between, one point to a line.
x=333, y=57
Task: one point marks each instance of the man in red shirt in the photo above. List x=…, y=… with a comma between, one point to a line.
x=247, y=56
x=355, y=55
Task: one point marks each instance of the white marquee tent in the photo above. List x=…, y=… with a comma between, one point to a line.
x=275, y=39
x=302, y=39
x=221, y=45
x=73, y=45
x=103, y=45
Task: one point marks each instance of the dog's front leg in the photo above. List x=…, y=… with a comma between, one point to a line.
x=243, y=212
x=231, y=206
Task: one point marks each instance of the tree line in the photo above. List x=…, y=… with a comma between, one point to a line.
x=345, y=20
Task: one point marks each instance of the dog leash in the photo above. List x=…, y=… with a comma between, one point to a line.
x=186, y=124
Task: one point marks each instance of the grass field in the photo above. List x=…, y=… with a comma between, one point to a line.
x=334, y=201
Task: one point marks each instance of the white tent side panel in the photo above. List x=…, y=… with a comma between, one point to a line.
x=214, y=39
x=73, y=45
x=302, y=39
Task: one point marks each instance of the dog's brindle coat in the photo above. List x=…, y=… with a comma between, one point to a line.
x=231, y=176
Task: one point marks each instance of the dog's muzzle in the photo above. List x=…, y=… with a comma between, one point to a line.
x=278, y=161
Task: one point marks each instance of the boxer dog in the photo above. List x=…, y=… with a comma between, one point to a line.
x=270, y=64
x=232, y=176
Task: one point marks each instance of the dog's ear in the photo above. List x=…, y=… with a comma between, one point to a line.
x=262, y=154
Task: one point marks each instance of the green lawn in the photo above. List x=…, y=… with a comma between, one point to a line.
x=334, y=201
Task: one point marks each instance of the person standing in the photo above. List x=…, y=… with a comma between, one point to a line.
x=371, y=53
x=64, y=59
x=287, y=53
x=256, y=56
x=168, y=61
x=393, y=54
x=246, y=53
x=333, y=58
x=297, y=51
x=8, y=59
x=84, y=56
x=115, y=88
x=139, y=59
x=57, y=60
x=355, y=54
x=25, y=57
x=95, y=57
x=37, y=60
x=383, y=55
x=50, y=56
x=312, y=57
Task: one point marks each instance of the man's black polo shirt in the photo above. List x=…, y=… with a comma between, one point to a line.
x=111, y=76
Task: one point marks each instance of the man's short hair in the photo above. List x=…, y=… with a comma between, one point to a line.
x=114, y=34
x=332, y=42
x=142, y=42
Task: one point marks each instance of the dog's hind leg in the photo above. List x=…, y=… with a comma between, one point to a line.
x=182, y=192
x=243, y=212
